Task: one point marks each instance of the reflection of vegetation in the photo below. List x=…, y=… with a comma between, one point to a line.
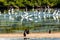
x=34, y=26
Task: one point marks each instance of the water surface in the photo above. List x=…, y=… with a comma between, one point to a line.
x=29, y=38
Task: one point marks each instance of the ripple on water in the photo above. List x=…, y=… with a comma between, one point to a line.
x=29, y=38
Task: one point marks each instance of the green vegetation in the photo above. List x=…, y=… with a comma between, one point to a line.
x=30, y=3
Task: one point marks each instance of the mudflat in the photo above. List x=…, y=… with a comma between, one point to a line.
x=31, y=35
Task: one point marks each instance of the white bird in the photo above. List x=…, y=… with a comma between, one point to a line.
x=54, y=13
x=25, y=16
x=0, y=13
x=9, y=12
x=44, y=15
x=54, y=17
x=49, y=10
x=30, y=19
x=12, y=11
x=39, y=15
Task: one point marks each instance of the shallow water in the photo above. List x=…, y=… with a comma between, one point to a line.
x=29, y=38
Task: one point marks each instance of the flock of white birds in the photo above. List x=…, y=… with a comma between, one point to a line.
x=33, y=15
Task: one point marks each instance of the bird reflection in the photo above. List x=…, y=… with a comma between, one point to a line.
x=26, y=38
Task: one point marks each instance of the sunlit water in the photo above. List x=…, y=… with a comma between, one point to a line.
x=29, y=38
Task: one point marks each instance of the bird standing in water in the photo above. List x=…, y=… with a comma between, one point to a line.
x=26, y=31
